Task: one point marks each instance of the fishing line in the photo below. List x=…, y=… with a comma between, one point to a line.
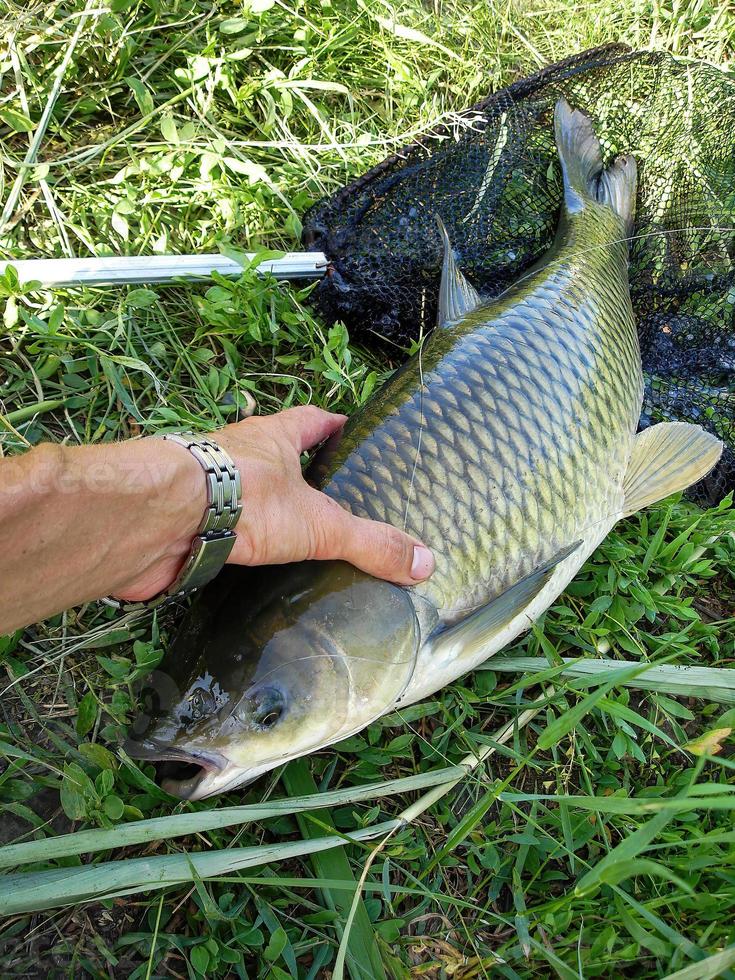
x=422, y=422
x=324, y=656
x=613, y=241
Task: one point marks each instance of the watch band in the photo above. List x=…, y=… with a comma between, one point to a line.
x=224, y=489
x=214, y=537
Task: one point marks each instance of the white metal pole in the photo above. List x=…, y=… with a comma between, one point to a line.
x=123, y=270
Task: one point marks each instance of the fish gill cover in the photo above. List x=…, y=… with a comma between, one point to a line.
x=493, y=178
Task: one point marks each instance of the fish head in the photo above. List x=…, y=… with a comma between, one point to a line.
x=318, y=652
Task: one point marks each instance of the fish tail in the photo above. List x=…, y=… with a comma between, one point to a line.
x=585, y=177
x=616, y=188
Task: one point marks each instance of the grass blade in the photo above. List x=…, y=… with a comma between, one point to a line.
x=34, y=891
x=32, y=153
x=362, y=954
x=627, y=850
x=568, y=720
x=179, y=825
x=630, y=805
x=709, y=683
x=708, y=968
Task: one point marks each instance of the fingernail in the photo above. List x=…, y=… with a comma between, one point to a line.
x=423, y=563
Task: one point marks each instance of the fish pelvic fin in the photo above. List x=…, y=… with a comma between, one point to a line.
x=482, y=626
x=456, y=295
x=668, y=457
x=585, y=177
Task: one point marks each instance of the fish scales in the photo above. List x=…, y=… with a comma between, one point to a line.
x=549, y=376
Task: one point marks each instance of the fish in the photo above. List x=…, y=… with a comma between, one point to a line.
x=508, y=444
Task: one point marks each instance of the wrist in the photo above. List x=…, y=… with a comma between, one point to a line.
x=158, y=498
x=199, y=542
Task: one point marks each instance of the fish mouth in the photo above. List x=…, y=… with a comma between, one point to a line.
x=188, y=774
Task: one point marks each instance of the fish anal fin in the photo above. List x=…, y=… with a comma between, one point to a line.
x=668, y=457
x=456, y=295
x=481, y=626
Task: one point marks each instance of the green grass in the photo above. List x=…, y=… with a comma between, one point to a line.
x=591, y=843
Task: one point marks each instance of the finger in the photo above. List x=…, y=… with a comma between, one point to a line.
x=307, y=425
x=379, y=549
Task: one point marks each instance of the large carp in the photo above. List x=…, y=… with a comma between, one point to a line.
x=508, y=445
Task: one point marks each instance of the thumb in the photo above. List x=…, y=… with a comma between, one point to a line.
x=378, y=549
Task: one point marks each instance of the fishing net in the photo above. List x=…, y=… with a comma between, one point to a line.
x=492, y=176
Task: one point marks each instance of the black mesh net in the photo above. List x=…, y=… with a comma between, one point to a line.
x=492, y=176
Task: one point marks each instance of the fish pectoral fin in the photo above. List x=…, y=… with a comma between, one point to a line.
x=481, y=626
x=456, y=295
x=668, y=457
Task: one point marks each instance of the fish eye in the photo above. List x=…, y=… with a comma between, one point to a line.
x=268, y=708
x=270, y=719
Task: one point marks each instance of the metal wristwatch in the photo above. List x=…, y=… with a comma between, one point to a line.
x=214, y=537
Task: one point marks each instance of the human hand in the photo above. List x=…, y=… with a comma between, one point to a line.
x=283, y=518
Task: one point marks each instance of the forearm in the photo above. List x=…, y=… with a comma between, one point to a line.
x=78, y=523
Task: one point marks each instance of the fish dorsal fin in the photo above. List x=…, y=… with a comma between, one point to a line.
x=470, y=635
x=667, y=457
x=456, y=295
